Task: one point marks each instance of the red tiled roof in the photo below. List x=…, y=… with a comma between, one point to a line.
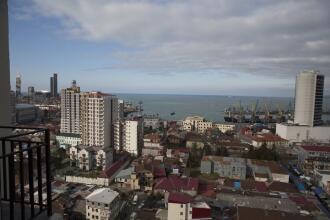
x=201, y=213
x=317, y=148
x=261, y=186
x=176, y=183
x=264, y=137
x=108, y=172
x=180, y=198
x=159, y=172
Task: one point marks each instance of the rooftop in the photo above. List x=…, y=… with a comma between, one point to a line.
x=245, y=213
x=180, y=198
x=316, y=148
x=103, y=195
x=225, y=160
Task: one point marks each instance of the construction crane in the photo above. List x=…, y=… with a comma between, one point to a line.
x=255, y=109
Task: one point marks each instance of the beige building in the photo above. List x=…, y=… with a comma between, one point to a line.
x=190, y=123
x=224, y=127
x=203, y=126
x=70, y=110
x=103, y=203
x=96, y=119
x=89, y=158
x=133, y=136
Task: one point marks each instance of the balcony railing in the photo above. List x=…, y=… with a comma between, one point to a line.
x=25, y=181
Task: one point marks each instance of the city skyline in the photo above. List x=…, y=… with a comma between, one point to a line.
x=214, y=47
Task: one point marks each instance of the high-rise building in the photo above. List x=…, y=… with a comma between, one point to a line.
x=133, y=136
x=31, y=93
x=53, y=85
x=70, y=110
x=18, y=85
x=96, y=118
x=309, y=98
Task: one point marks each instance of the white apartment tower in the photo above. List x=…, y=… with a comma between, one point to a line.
x=70, y=110
x=96, y=118
x=309, y=98
x=133, y=136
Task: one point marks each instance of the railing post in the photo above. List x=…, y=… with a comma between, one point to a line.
x=48, y=166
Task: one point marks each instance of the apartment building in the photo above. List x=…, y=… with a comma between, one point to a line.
x=203, y=126
x=230, y=167
x=190, y=123
x=152, y=145
x=103, y=203
x=96, y=119
x=133, y=136
x=68, y=139
x=182, y=207
x=70, y=110
x=312, y=157
x=90, y=157
x=224, y=127
x=151, y=121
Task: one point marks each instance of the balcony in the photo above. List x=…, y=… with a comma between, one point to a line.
x=25, y=180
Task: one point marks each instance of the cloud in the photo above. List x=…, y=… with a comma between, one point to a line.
x=270, y=38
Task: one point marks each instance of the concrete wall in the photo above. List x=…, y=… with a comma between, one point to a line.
x=86, y=180
x=300, y=133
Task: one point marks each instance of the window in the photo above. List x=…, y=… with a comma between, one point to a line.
x=181, y=206
x=181, y=213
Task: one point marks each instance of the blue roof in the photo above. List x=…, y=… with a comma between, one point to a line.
x=318, y=190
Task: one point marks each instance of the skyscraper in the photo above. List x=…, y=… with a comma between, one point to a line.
x=18, y=85
x=96, y=116
x=53, y=85
x=70, y=110
x=309, y=98
x=31, y=93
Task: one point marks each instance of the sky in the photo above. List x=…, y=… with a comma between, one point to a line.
x=215, y=47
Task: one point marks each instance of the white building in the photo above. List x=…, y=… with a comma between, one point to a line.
x=224, y=127
x=314, y=157
x=70, y=110
x=296, y=134
x=68, y=139
x=203, y=126
x=151, y=145
x=96, y=119
x=133, y=136
x=308, y=111
x=151, y=121
x=102, y=204
x=190, y=123
x=182, y=207
x=89, y=158
x=309, y=98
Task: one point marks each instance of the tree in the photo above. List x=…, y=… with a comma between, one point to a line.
x=222, y=151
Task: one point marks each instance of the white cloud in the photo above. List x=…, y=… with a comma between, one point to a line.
x=277, y=38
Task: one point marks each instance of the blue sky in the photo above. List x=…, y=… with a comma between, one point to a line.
x=173, y=47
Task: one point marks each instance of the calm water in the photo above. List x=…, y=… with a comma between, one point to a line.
x=210, y=107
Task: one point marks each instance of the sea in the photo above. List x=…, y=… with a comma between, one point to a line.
x=211, y=107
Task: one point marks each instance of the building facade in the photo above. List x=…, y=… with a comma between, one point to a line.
x=96, y=119
x=190, y=123
x=53, y=85
x=230, y=167
x=103, y=203
x=309, y=98
x=70, y=110
x=312, y=158
x=133, y=136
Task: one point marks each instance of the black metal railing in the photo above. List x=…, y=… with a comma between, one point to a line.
x=25, y=180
